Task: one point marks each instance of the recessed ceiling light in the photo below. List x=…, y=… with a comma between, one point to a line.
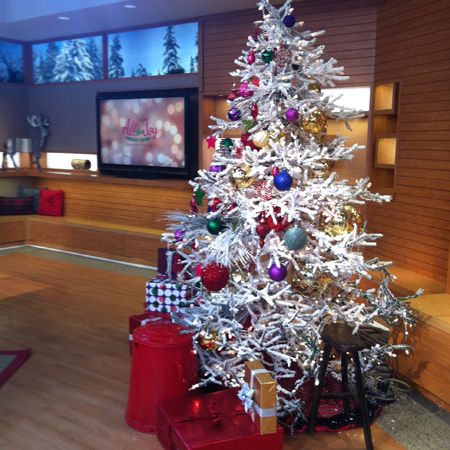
x=129, y=6
x=63, y=17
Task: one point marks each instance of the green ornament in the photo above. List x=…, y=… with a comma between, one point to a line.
x=199, y=194
x=248, y=125
x=227, y=143
x=267, y=56
x=214, y=226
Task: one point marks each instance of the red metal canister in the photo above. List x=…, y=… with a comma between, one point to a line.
x=164, y=366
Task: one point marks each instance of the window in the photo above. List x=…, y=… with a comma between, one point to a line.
x=11, y=62
x=69, y=60
x=153, y=51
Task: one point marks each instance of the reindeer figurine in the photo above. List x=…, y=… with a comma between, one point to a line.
x=40, y=131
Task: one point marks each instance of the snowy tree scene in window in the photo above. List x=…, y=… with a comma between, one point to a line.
x=11, y=62
x=68, y=60
x=165, y=50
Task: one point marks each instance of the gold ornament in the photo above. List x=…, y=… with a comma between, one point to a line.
x=280, y=137
x=239, y=276
x=344, y=221
x=240, y=176
x=311, y=287
x=315, y=123
x=353, y=215
x=320, y=169
x=261, y=138
x=209, y=341
x=315, y=87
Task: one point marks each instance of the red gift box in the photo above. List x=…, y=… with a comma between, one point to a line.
x=177, y=263
x=140, y=320
x=211, y=422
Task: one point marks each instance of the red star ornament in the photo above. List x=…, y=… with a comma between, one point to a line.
x=211, y=140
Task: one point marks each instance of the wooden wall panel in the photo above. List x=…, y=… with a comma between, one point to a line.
x=413, y=47
x=12, y=230
x=350, y=38
x=123, y=204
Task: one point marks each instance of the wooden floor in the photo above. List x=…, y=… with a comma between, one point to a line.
x=72, y=392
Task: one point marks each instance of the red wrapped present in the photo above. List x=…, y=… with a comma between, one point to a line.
x=169, y=258
x=212, y=422
x=140, y=320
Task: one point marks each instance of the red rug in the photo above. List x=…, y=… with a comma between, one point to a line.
x=10, y=361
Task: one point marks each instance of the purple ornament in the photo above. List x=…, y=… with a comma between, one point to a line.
x=179, y=235
x=289, y=21
x=234, y=114
x=216, y=168
x=277, y=273
x=291, y=115
x=245, y=91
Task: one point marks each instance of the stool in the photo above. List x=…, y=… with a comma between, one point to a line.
x=339, y=336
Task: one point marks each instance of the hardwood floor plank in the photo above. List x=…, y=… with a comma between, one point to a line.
x=72, y=393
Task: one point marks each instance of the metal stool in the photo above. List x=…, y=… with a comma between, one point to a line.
x=339, y=336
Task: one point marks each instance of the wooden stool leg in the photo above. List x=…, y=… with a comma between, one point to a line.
x=362, y=402
x=318, y=389
x=344, y=384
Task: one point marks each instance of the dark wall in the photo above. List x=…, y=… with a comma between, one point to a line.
x=71, y=108
x=13, y=111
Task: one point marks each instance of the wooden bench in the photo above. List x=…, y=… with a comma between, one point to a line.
x=109, y=217
x=130, y=244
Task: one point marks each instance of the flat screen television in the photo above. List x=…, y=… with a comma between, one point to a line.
x=148, y=134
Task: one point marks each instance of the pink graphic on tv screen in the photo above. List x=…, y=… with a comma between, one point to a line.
x=143, y=132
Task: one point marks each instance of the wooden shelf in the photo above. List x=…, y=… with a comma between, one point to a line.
x=386, y=98
x=95, y=177
x=385, y=150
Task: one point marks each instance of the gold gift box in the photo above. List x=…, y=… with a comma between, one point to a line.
x=265, y=397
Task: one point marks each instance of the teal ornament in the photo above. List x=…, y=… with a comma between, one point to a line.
x=227, y=143
x=295, y=238
x=215, y=226
x=267, y=56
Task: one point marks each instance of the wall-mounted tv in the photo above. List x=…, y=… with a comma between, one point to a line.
x=148, y=134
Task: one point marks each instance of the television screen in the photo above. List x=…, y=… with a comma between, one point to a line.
x=147, y=132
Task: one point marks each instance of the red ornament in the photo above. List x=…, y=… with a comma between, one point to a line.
x=198, y=270
x=251, y=57
x=245, y=91
x=232, y=207
x=255, y=81
x=275, y=171
x=233, y=95
x=255, y=111
x=215, y=277
x=262, y=230
x=280, y=223
x=211, y=140
x=264, y=191
x=193, y=205
x=214, y=204
x=245, y=139
x=256, y=33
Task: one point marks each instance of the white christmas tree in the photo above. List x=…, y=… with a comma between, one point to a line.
x=279, y=251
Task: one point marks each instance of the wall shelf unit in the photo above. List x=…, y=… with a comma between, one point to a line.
x=384, y=135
